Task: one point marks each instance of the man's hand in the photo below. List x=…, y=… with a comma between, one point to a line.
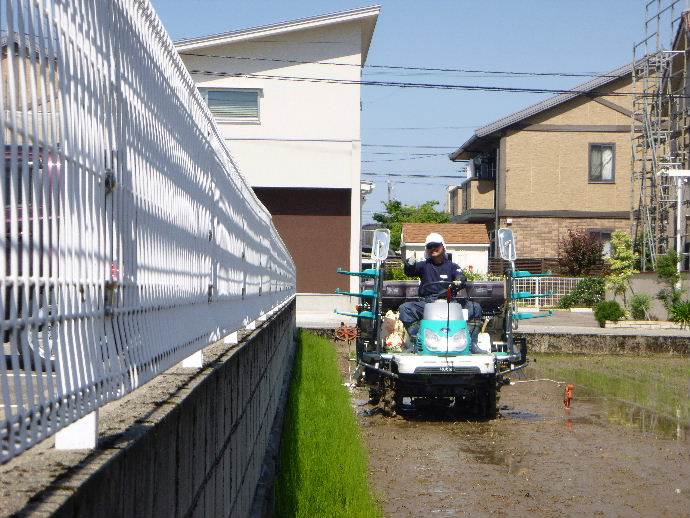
x=410, y=261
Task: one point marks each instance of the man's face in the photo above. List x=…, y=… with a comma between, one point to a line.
x=435, y=251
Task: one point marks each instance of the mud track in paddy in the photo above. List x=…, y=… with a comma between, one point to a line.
x=534, y=460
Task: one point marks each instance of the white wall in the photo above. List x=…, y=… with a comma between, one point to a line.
x=309, y=132
x=476, y=256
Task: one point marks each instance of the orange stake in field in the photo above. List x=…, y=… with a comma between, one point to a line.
x=568, y=397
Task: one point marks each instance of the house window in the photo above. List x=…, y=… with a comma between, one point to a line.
x=602, y=163
x=232, y=105
x=604, y=236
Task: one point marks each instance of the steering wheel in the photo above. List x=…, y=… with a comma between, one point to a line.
x=453, y=285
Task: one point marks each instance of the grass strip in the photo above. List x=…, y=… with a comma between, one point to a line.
x=660, y=384
x=323, y=461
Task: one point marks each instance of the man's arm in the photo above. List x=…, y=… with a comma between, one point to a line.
x=410, y=267
x=459, y=275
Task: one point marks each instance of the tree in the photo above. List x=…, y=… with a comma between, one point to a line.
x=579, y=254
x=396, y=214
x=621, y=264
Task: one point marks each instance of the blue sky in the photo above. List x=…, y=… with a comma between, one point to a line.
x=510, y=35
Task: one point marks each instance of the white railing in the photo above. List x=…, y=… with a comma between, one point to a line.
x=555, y=288
x=131, y=240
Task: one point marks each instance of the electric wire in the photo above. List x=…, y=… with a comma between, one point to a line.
x=507, y=73
x=428, y=86
x=411, y=175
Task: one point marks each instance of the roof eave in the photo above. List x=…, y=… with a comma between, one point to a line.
x=369, y=15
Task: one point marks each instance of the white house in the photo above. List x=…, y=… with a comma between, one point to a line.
x=287, y=99
x=467, y=243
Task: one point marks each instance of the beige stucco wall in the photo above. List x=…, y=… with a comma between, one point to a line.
x=481, y=194
x=548, y=170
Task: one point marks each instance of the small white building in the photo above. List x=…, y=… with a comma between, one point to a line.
x=286, y=98
x=466, y=243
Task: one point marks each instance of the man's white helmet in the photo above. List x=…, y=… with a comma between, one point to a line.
x=434, y=239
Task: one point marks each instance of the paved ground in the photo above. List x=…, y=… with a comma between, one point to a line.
x=566, y=322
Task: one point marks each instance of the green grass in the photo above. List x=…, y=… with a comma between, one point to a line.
x=658, y=383
x=323, y=461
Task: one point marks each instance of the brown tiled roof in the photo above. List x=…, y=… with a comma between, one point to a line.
x=453, y=233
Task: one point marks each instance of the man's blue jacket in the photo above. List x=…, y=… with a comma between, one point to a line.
x=430, y=272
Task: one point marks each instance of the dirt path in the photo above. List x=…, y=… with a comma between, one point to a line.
x=535, y=460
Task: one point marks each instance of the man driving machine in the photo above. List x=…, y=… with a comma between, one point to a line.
x=433, y=272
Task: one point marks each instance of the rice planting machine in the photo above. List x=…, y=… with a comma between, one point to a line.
x=455, y=361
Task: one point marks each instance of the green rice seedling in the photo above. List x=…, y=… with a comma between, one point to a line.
x=323, y=463
x=657, y=383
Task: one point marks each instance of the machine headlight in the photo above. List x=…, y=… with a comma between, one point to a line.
x=433, y=341
x=458, y=341
x=436, y=342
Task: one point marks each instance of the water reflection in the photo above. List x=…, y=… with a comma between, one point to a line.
x=645, y=420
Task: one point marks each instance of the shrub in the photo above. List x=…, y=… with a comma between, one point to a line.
x=640, y=305
x=680, y=312
x=608, y=310
x=666, y=269
x=621, y=264
x=588, y=292
x=579, y=253
x=397, y=273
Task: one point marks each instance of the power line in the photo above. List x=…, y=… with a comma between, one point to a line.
x=411, y=146
x=412, y=128
x=508, y=73
x=403, y=152
x=400, y=159
x=403, y=175
x=426, y=86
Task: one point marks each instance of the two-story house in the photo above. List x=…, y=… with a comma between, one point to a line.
x=286, y=98
x=560, y=164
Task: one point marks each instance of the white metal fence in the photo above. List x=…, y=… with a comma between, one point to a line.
x=130, y=240
x=555, y=288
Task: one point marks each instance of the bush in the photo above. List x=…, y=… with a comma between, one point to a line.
x=580, y=254
x=680, y=312
x=608, y=310
x=667, y=268
x=588, y=292
x=640, y=305
x=397, y=273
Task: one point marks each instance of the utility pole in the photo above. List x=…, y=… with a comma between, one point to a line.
x=390, y=189
x=681, y=176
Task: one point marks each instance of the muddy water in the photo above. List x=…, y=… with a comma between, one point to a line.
x=536, y=459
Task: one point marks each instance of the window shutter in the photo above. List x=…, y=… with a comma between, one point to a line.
x=240, y=105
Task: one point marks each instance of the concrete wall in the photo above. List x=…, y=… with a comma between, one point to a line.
x=649, y=283
x=204, y=455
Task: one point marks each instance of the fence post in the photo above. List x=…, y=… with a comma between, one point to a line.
x=537, y=291
x=82, y=434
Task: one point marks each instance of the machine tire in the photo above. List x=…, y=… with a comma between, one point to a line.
x=389, y=399
x=490, y=401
